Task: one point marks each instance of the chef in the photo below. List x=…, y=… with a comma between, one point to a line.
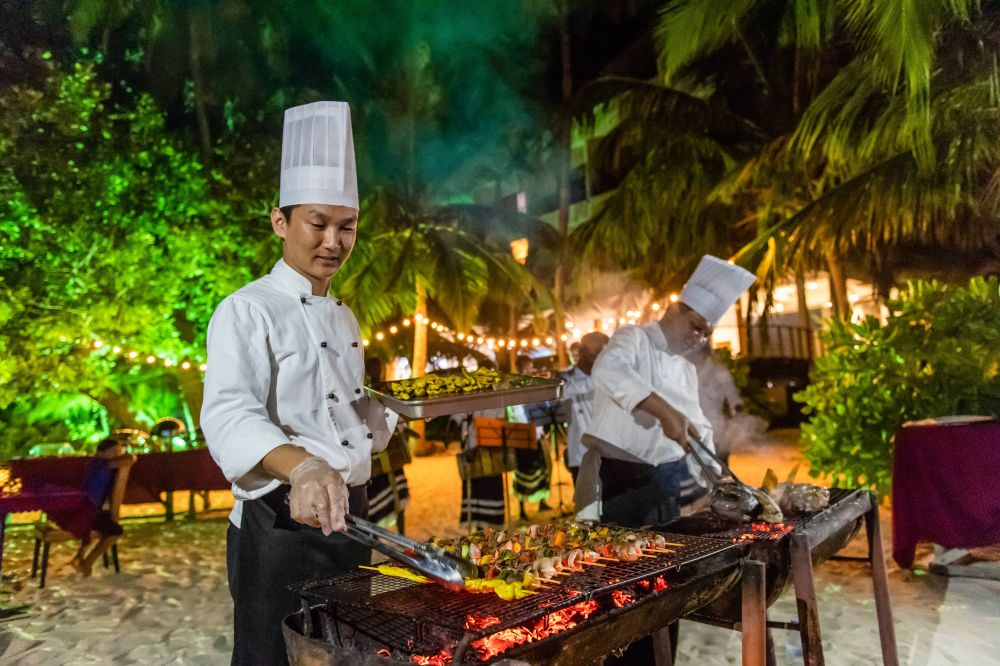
x=646, y=405
x=285, y=415
x=578, y=396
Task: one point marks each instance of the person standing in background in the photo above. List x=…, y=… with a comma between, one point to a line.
x=578, y=397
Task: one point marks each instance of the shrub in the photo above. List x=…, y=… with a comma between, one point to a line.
x=938, y=354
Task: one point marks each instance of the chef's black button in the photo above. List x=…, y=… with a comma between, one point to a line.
x=354, y=344
x=345, y=443
x=331, y=396
x=371, y=436
x=357, y=390
x=340, y=302
x=323, y=345
x=303, y=299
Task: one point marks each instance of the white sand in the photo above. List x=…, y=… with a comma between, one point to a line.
x=171, y=604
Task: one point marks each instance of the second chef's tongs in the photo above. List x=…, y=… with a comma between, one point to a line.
x=731, y=498
x=432, y=561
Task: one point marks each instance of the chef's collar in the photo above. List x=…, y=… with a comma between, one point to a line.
x=291, y=280
x=656, y=336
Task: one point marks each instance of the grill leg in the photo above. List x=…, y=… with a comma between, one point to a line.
x=880, y=581
x=805, y=599
x=45, y=564
x=662, y=647
x=754, y=619
x=34, y=558
x=769, y=657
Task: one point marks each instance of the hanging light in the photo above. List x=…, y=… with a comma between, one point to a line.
x=133, y=354
x=116, y=349
x=168, y=363
x=461, y=336
x=406, y=322
x=185, y=365
x=393, y=330
x=535, y=342
x=564, y=337
x=654, y=307
x=98, y=344
x=150, y=359
x=379, y=336
x=549, y=340
x=203, y=367
x=366, y=342
x=673, y=298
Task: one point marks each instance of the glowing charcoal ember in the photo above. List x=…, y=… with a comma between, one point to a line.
x=476, y=621
x=551, y=624
x=442, y=658
x=384, y=653
x=659, y=584
x=621, y=598
x=762, y=531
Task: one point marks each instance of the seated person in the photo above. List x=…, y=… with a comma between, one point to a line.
x=98, y=483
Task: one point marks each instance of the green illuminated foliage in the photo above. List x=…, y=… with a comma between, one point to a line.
x=938, y=355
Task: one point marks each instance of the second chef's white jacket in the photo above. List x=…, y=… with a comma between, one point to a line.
x=285, y=366
x=636, y=363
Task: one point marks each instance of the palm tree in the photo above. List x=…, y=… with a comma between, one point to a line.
x=827, y=159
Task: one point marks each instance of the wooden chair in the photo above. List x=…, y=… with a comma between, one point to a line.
x=47, y=533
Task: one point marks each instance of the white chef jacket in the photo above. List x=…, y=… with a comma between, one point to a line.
x=285, y=366
x=636, y=363
x=578, y=396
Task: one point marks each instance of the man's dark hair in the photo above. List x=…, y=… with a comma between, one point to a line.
x=287, y=211
x=106, y=444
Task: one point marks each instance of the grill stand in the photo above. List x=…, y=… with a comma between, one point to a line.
x=804, y=542
x=752, y=626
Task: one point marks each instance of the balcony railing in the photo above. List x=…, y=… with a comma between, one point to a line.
x=782, y=341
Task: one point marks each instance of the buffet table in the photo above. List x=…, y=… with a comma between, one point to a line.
x=945, y=487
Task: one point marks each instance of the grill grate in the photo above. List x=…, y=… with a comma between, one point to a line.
x=418, y=618
x=713, y=527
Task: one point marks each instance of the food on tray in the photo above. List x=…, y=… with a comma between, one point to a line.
x=433, y=385
x=796, y=497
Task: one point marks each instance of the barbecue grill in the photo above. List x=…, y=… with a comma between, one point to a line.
x=789, y=551
x=592, y=612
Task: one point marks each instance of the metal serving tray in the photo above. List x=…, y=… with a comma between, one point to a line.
x=535, y=389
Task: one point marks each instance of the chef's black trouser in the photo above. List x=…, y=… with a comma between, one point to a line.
x=638, y=495
x=268, y=553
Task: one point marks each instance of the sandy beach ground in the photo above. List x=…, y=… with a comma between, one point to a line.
x=170, y=604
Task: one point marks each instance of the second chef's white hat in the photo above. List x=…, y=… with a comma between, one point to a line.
x=317, y=156
x=714, y=286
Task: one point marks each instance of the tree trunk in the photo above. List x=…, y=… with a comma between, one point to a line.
x=193, y=391
x=741, y=328
x=419, y=365
x=800, y=289
x=838, y=287
x=566, y=146
x=512, y=352
x=119, y=412
x=195, y=35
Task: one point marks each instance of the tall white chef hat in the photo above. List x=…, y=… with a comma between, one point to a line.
x=714, y=286
x=317, y=156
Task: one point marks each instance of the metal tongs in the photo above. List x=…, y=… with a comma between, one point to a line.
x=432, y=561
x=731, y=498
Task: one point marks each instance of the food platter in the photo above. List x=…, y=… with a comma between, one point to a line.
x=512, y=390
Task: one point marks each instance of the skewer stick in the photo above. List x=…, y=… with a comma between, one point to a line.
x=550, y=580
x=562, y=573
x=645, y=555
x=668, y=543
x=661, y=550
x=609, y=559
x=594, y=564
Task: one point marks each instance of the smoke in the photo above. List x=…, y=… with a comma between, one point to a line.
x=721, y=402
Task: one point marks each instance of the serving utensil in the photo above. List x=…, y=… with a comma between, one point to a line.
x=432, y=561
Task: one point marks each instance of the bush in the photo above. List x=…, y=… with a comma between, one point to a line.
x=938, y=354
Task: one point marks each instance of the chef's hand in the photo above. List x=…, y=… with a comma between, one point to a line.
x=677, y=427
x=319, y=496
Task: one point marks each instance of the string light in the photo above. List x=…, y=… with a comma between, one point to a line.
x=116, y=349
x=185, y=365
x=393, y=330
x=379, y=336
x=203, y=367
x=133, y=354
x=98, y=344
x=673, y=298
x=655, y=307
x=150, y=359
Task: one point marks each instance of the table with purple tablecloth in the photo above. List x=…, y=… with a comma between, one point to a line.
x=945, y=487
x=57, y=500
x=152, y=474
